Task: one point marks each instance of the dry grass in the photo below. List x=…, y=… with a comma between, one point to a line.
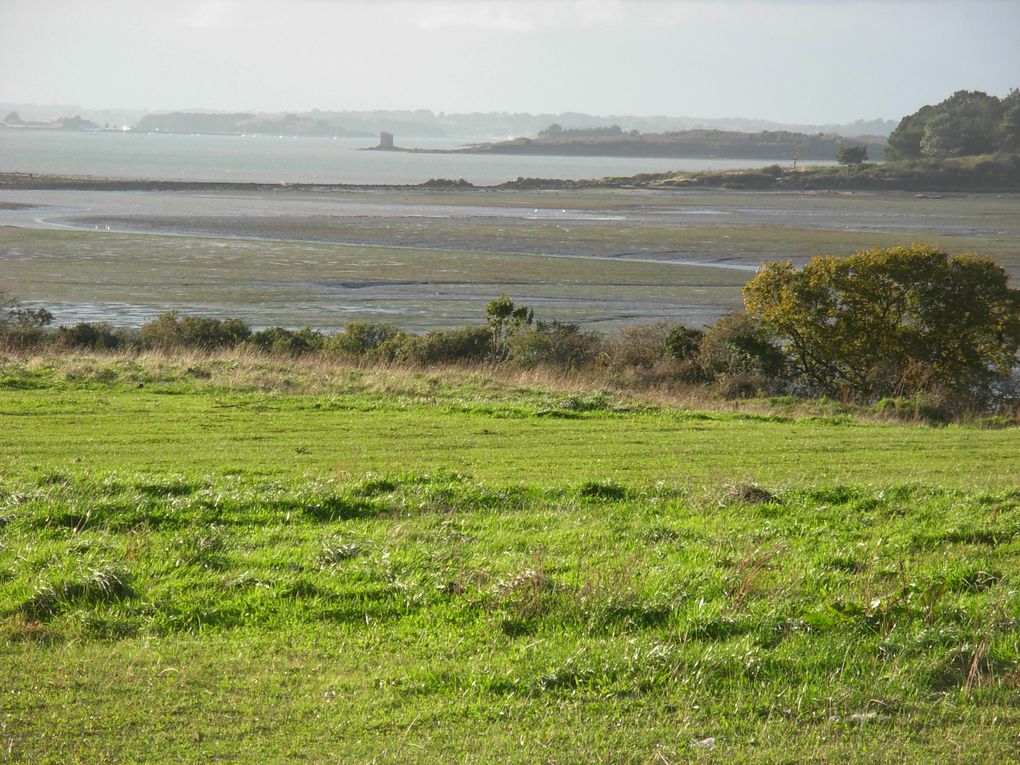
x=249, y=370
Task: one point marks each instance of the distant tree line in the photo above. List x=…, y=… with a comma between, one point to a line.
x=556, y=131
x=613, y=141
x=905, y=324
x=967, y=123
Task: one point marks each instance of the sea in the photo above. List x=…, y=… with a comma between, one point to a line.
x=302, y=159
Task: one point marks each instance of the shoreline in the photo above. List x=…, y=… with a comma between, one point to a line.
x=917, y=178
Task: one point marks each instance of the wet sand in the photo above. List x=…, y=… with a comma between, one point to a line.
x=602, y=257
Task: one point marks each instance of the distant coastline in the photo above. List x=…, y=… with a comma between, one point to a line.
x=981, y=174
x=686, y=144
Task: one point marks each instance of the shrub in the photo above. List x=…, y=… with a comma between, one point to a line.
x=556, y=344
x=170, y=330
x=736, y=344
x=360, y=338
x=97, y=336
x=465, y=344
x=22, y=327
x=282, y=340
x=642, y=346
x=683, y=343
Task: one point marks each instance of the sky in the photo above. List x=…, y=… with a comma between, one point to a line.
x=796, y=61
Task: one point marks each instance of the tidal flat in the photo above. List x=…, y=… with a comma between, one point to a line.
x=426, y=258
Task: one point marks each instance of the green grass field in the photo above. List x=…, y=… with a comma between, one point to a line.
x=231, y=559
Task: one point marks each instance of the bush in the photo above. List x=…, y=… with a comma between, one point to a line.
x=282, y=340
x=360, y=338
x=643, y=346
x=683, y=343
x=99, y=336
x=449, y=346
x=732, y=385
x=22, y=327
x=556, y=344
x=170, y=330
x=737, y=345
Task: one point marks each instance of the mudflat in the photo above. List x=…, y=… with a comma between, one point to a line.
x=426, y=258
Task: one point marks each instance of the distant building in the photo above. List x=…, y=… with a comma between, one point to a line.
x=385, y=140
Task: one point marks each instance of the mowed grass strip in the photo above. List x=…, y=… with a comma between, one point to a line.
x=190, y=573
x=96, y=415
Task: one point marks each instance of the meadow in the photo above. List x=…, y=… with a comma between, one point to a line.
x=232, y=558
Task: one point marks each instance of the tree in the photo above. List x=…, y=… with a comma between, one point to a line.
x=504, y=320
x=891, y=322
x=945, y=135
x=968, y=122
x=905, y=141
x=852, y=155
x=1009, y=126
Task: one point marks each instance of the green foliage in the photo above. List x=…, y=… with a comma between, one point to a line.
x=738, y=357
x=1009, y=127
x=441, y=346
x=21, y=327
x=737, y=344
x=361, y=338
x=892, y=322
x=852, y=154
x=171, y=330
x=505, y=320
x=96, y=336
x=556, y=344
x=287, y=341
x=683, y=343
x=965, y=124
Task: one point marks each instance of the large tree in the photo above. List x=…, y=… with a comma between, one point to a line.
x=968, y=122
x=893, y=321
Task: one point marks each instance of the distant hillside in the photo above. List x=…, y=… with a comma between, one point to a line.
x=713, y=144
x=471, y=126
x=493, y=125
x=240, y=123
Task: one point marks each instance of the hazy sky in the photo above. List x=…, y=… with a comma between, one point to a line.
x=790, y=60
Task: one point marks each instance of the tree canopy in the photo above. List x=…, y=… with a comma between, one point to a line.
x=504, y=320
x=852, y=154
x=891, y=322
x=969, y=122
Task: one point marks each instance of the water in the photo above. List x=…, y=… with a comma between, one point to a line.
x=270, y=159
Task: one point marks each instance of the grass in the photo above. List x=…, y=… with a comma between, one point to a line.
x=272, y=418
x=386, y=566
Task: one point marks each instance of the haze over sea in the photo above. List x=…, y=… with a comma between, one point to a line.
x=287, y=159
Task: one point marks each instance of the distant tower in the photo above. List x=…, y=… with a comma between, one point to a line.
x=385, y=140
